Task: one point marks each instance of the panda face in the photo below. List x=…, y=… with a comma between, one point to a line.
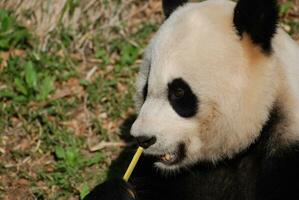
x=202, y=93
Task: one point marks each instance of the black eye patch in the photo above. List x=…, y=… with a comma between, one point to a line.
x=182, y=99
x=145, y=87
x=144, y=91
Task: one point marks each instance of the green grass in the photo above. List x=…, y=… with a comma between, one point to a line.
x=56, y=102
x=42, y=97
x=12, y=35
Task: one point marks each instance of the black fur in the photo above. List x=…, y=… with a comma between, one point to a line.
x=187, y=105
x=257, y=173
x=279, y=174
x=112, y=190
x=257, y=18
x=171, y=5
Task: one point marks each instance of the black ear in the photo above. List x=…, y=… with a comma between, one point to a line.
x=170, y=5
x=257, y=18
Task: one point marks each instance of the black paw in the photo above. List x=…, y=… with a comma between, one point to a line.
x=112, y=190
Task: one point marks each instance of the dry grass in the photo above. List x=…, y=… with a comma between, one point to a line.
x=87, y=18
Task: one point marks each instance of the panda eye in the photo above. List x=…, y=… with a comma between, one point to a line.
x=179, y=93
x=181, y=98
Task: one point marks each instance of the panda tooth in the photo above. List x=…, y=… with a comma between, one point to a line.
x=168, y=157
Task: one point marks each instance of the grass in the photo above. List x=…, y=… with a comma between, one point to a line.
x=58, y=101
x=67, y=87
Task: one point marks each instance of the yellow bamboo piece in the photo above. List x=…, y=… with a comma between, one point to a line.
x=133, y=164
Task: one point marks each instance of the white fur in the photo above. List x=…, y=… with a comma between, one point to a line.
x=235, y=82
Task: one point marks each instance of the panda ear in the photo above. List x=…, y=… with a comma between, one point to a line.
x=171, y=5
x=257, y=18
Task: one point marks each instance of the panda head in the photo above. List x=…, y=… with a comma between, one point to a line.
x=207, y=82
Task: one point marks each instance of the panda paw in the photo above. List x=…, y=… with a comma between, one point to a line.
x=112, y=190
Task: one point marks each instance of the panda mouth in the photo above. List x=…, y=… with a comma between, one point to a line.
x=169, y=158
x=174, y=157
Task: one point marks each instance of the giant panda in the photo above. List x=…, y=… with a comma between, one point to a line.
x=218, y=103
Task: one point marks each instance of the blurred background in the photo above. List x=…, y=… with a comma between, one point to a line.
x=67, y=72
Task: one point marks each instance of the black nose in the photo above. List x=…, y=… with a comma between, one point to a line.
x=145, y=141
